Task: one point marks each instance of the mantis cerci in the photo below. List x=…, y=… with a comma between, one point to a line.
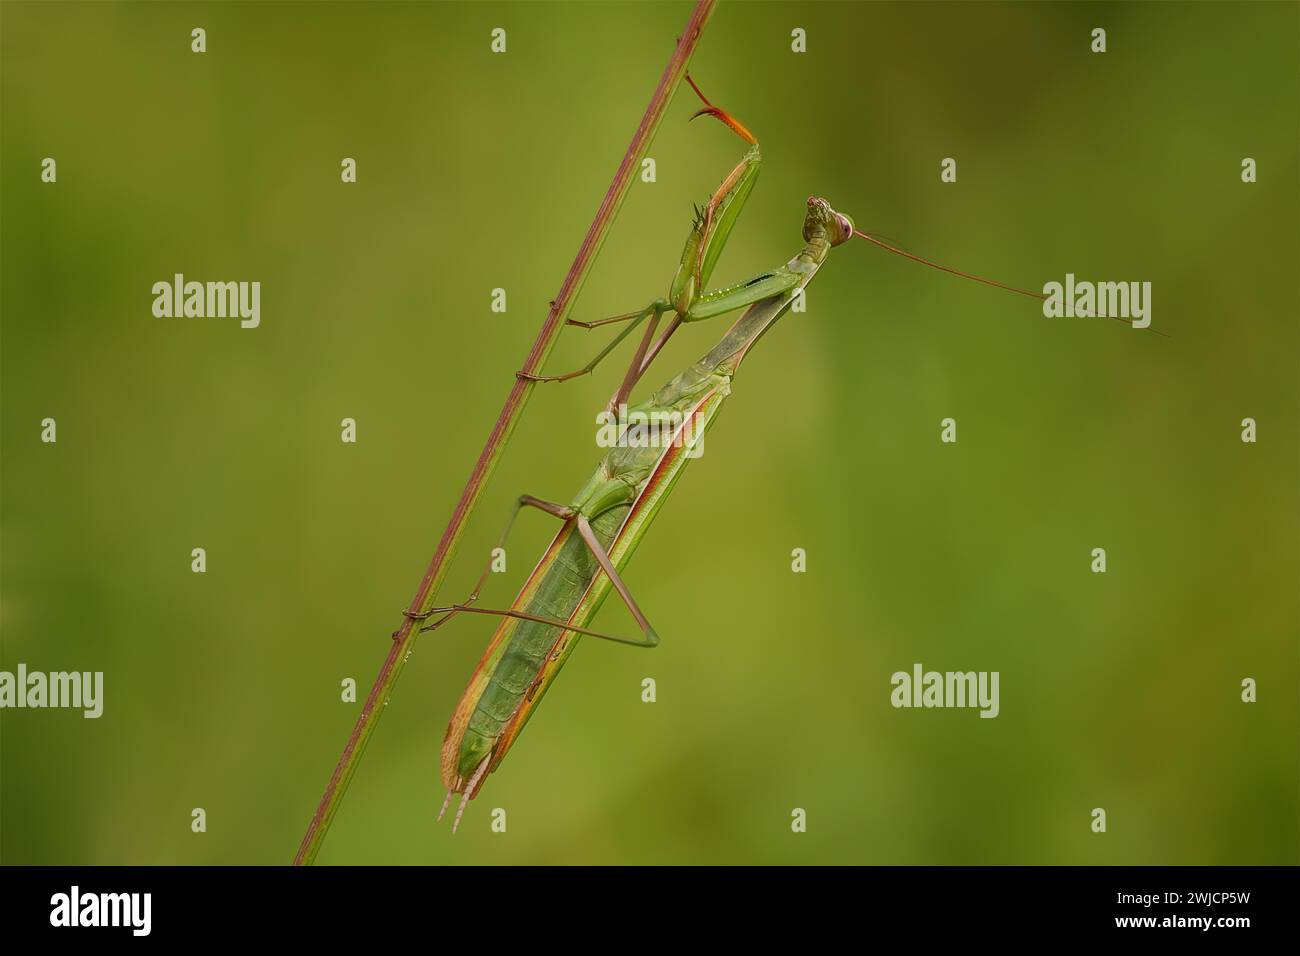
x=603, y=524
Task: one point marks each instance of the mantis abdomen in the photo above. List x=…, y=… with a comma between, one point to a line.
x=566, y=584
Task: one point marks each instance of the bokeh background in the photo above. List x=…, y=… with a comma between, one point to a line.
x=479, y=171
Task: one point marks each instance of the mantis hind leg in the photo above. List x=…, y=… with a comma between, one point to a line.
x=442, y=615
x=522, y=502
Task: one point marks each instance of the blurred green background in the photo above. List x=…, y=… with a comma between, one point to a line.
x=479, y=171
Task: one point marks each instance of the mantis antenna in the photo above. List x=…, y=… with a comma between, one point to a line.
x=934, y=265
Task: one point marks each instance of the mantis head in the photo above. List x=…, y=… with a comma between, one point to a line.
x=825, y=223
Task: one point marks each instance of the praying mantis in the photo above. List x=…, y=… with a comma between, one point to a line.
x=603, y=524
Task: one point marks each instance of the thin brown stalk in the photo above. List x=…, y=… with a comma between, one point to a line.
x=426, y=594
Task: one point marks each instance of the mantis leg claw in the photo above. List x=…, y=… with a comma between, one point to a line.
x=530, y=377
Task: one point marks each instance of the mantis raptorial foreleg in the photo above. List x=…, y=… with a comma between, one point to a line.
x=688, y=299
x=443, y=614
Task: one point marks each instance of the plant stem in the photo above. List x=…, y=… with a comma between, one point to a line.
x=506, y=421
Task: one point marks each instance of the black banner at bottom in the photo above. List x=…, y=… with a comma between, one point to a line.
x=338, y=905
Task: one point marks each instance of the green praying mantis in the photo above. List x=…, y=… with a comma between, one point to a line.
x=603, y=524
